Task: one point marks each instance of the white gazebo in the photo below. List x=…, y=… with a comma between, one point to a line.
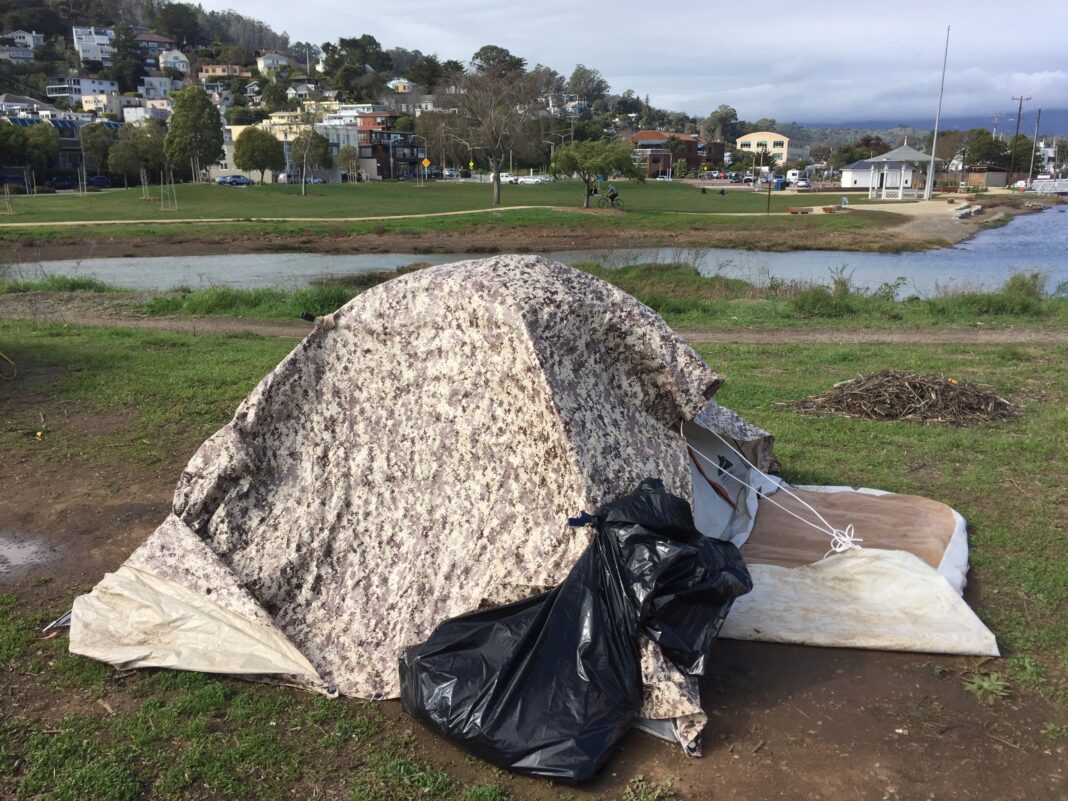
x=897, y=158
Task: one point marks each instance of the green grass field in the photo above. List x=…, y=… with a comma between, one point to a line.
x=377, y=199
x=178, y=736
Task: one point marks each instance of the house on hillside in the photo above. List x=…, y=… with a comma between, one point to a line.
x=221, y=72
x=174, y=60
x=112, y=103
x=773, y=144
x=270, y=62
x=152, y=44
x=94, y=44
x=401, y=86
x=16, y=54
x=30, y=39
x=72, y=88
x=153, y=88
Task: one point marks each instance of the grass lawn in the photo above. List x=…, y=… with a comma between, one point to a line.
x=652, y=208
x=384, y=198
x=176, y=735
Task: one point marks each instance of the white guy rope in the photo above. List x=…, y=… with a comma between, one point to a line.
x=841, y=539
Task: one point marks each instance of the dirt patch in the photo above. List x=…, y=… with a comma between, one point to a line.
x=122, y=309
x=786, y=721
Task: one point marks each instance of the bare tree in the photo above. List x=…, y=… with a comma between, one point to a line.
x=497, y=112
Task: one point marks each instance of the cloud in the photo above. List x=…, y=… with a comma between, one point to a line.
x=784, y=60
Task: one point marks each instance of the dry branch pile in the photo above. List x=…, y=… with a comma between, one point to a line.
x=890, y=395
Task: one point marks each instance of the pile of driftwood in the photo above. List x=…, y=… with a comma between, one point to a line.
x=890, y=395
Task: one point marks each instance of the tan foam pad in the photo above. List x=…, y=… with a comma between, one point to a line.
x=899, y=522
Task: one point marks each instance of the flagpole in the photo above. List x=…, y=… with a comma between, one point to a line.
x=938, y=118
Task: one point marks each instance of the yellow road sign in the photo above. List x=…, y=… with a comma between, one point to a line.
x=426, y=162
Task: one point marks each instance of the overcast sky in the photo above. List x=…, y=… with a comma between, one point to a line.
x=792, y=61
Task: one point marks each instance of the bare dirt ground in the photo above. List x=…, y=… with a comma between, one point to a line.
x=121, y=309
x=786, y=722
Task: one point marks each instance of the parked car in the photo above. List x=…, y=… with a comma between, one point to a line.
x=508, y=178
x=98, y=182
x=63, y=182
x=234, y=180
x=534, y=179
x=663, y=177
x=803, y=183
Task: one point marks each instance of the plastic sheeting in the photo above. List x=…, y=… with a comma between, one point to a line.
x=548, y=686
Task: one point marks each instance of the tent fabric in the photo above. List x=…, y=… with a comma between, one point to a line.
x=421, y=447
x=418, y=455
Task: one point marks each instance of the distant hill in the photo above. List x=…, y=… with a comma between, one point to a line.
x=1054, y=122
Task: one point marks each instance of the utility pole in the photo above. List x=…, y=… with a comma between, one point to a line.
x=1012, y=144
x=1034, y=147
x=931, y=174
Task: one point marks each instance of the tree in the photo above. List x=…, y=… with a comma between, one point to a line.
x=590, y=159
x=124, y=160
x=494, y=59
x=587, y=84
x=426, y=72
x=12, y=146
x=180, y=22
x=721, y=125
x=96, y=140
x=195, y=135
x=256, y=149
x=238, y=115
x=868, y=146
x=497, y=114
x=127, y=62
x=42, y=145
x=348, y=157
x=309, y=150
x=147, y=139
x=358, y=68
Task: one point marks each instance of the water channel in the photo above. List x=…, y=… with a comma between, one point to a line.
x=1030, y=242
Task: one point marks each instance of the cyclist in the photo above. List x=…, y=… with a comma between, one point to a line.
x=612, y=194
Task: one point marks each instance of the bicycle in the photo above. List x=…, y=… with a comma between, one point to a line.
x=605, y=202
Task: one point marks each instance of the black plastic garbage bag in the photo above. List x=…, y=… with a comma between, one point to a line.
x=548, y=686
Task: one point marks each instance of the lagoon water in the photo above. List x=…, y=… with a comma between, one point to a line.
x=1030, y=242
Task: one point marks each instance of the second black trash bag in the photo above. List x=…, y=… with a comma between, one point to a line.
x=549, y=685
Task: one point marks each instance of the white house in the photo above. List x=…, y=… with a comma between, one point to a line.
x=153, y=88
x=94, y=44
x=269, y=62
x=138, y=114
x=401, y=86
x=74, y=88
x=174, y=60
x=30, y=39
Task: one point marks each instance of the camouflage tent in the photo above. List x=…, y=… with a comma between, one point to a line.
x=418, y=455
